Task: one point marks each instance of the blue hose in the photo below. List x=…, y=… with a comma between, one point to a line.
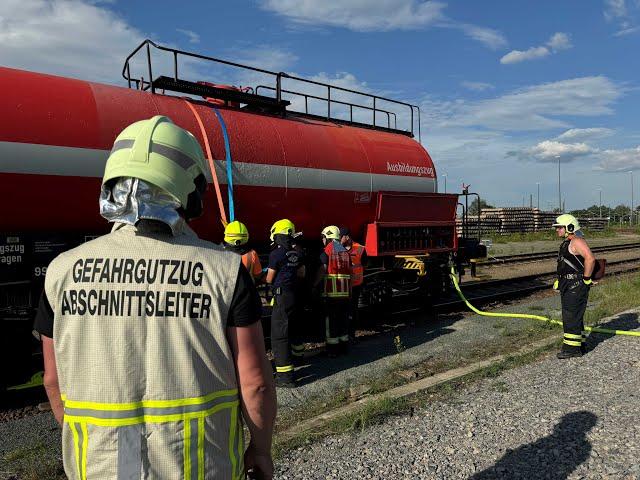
x=227, y=154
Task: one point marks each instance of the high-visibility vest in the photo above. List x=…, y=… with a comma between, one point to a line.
x=357, y=272
x=337, y=280
x=145, y=371
x=252, y=263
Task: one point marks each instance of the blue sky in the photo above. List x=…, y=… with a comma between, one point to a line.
x=506, y=88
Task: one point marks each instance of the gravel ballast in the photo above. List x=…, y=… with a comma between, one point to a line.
x=553, y=419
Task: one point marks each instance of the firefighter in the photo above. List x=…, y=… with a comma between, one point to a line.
x=335, y=274
x=236, y=236
x=575, y=267
x=285, y=274
x=152, y=343
x=358, y=260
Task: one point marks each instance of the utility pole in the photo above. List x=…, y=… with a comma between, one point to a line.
x=538, y=200
x=631, y=216
x=600, y=192
x=444, y=175
x=559, y=194
x=531, y=200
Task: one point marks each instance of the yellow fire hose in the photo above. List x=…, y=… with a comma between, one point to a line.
x=454, y=278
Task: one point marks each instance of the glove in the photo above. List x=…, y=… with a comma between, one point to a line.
x=555, y=284
x=587, y=281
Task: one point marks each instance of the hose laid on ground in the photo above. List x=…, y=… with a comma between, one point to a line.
x=454, y=278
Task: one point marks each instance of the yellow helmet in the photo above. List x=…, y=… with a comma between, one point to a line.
x=284, y=227
x=569, y=222
x=332, y=232
x=159, y=152
x=236, y=233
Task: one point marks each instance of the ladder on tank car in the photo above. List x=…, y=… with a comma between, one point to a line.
x=251, y=98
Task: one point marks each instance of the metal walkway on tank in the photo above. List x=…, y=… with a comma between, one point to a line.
x=251, y=99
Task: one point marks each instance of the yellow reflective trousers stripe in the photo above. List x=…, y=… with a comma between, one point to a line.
x=191, y=411
x=572, y=336
x=572, y=343
x=284, y=369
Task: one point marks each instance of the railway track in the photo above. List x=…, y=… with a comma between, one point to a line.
x=477, y=292
x=534, y=257
x=485, y=291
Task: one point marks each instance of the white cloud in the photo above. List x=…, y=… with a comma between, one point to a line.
x=477, y=86
x=487, y=36
x=532, y=53
x=65, y=37
x=620, y=160
x=621, y=14
x=381, y=15
x=537, y=107
x=558, y=41
x=191, y=35
x=360, y=15
x=584, y=134
x=614, y=9
x=626, y=31
x=267, y=57
x=550, y=151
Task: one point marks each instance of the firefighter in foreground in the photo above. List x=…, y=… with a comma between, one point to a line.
x=236, y=236
x=358, y=259
x=152, y=343
x=285, y=274
x=335, y=274
x=575, y=267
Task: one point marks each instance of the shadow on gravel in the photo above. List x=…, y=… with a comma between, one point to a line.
x=377, y=346
x=553, y=457
x=624, y=321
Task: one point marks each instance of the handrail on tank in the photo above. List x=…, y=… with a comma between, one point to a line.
x=307, y=96
x=149, y=84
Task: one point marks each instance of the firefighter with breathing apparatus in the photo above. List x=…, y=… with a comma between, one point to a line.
x=575, y=267
x=152, y=341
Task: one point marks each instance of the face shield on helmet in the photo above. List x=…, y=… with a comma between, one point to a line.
x=236, y=233
x=161, y=156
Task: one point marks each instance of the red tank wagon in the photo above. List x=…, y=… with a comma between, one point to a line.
x=271, y=162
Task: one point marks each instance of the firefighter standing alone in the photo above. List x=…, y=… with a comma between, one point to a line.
x=575, y=266
x=151, y=338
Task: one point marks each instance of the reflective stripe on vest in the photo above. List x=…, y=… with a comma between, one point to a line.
x=357, y=275
x=337, y=285
x=127, y=417
x=337, y=280
x=158, y=355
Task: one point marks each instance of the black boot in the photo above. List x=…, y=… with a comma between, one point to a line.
x=285, y=380
x=569, y=353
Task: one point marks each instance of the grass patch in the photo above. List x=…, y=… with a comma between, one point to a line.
x=613, y=296
x=536, y=308
x=32, y=463
x=547, y=235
